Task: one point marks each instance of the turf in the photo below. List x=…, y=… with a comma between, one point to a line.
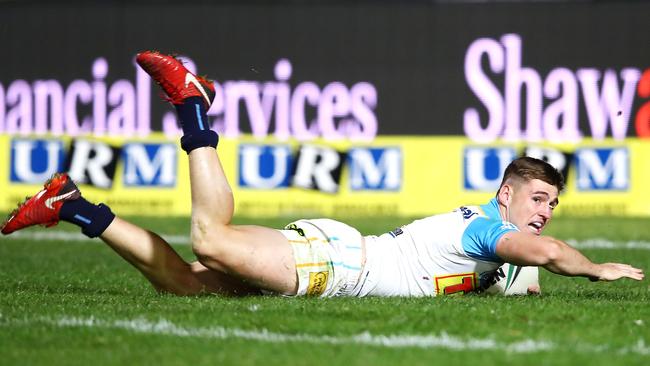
x=68, y=303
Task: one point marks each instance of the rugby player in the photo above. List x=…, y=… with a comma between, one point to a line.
x=441, y=254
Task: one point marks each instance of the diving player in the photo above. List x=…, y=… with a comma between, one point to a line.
x=437, y=255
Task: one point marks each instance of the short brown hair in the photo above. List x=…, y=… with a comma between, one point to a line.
x=527, y=169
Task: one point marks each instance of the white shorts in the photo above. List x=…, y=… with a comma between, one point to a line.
x=328, y=257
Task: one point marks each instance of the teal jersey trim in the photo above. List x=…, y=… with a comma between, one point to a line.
x=480, y=237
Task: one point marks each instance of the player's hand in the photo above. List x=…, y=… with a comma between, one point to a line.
x=615, y=271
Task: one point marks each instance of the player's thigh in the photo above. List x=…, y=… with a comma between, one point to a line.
x=218, y=282
x=261, y=256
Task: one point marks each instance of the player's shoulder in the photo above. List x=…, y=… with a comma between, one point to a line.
x=470, y=213
x=483, y=218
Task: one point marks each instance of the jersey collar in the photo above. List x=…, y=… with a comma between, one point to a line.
x=491, y=209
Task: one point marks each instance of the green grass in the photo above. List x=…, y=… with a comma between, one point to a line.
x=43, y=284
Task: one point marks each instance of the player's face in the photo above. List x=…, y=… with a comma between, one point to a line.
x=532, y=204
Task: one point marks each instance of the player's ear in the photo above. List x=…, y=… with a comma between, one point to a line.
x=505, y=195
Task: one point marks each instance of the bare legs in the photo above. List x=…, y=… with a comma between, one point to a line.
x=260, y=256
x=233, y=260
x=163, y=267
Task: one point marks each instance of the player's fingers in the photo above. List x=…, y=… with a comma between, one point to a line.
x=635, y=276
x=633, y=273
x=627, y=268
x=634, y=270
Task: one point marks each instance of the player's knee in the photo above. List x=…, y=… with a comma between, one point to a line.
x=207, y=239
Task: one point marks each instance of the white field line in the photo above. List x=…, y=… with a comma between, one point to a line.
x=51, y=235
x=442, y=340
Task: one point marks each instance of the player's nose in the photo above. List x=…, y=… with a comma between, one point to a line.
x=546, y=212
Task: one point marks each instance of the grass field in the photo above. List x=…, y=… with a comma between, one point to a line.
x=74, y=302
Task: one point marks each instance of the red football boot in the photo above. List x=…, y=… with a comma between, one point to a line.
x=177, y=82
x=43, y=208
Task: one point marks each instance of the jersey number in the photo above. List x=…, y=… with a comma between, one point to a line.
x=456, y=283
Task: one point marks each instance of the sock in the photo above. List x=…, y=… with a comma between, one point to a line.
x=195, y=125
x=92, y=219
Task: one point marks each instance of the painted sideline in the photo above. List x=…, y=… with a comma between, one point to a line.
x=58, y=235
x=442, y=340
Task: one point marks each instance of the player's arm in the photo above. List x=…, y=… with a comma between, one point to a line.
x=526, y=249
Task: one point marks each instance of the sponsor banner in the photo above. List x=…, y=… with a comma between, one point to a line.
x=135, y=177
x=407, y=176
x=548, y=71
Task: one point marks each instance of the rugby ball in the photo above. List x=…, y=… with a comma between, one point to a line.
x=513, y=280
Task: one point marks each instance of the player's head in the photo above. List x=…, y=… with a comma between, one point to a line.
x=529, y=193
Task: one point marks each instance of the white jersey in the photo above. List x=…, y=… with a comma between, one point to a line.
x=438, y=255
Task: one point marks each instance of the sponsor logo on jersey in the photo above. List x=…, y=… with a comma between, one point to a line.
x=317, y=283
x=397, y=232
x=467, y=213
x=461, y=283
x=295, y=227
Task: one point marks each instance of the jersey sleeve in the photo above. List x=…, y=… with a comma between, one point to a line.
x=481, y=236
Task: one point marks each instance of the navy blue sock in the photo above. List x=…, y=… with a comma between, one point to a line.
x=92, y=219
x=195, y=125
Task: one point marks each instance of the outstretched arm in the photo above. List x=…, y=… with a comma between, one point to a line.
x=558, y=257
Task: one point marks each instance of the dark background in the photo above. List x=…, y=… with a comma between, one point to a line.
x=413, y=51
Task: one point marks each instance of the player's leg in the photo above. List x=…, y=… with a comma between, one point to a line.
x=162, y=265
x=151, y=255
x=261, y=256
